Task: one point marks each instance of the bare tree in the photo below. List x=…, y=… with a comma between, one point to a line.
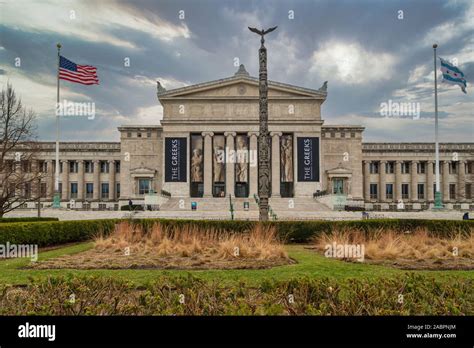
x=20, y=172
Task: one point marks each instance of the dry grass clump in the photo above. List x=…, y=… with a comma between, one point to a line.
x=389, y=244
x=260, y=243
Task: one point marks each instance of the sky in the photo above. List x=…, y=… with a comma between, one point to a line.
x=371, y=53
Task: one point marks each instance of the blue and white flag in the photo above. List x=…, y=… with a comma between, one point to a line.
x=452, y=74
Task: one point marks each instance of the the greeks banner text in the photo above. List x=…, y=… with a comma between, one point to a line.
x=308, y=159
x=175, y=159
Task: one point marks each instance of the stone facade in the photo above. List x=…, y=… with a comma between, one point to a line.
x=379, y=175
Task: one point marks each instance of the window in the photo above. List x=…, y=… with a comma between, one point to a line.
x=405, y=191
x=323, y=134
x=373, y=191
x=129, y=134
x=104, y=166
x=440, y=168
x=343, y=135
x=468, y=191
x=453, y=168
x=390, y=167
x=421, y=168
x=73, y=166
x=353, y=135
x=104, y=191
x=12, y=189
x=389, y=191
x=470, y=167
x=89, y=190
x=405, y=168
x=117, y=166
x=452, y=191
x=374, y=167
x=73, y=189
x=117, y=190
x=144, y=186
x=60, y=188
x=89, y=167
x=43, y=190
x=421, y=191
x=148, y=134
x=139, y=135
x=27, y=190
x=333, y=135
x=26, y=166
x=43, y=166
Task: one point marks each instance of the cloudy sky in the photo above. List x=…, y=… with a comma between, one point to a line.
x=371, y=52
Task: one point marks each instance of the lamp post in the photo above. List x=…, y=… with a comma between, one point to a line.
x=263, y=137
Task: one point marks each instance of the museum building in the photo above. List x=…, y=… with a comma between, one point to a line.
x=206, y=147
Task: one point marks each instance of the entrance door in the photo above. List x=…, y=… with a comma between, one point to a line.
x=337, y=186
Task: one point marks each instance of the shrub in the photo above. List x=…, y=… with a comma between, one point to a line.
x=422, y=295
x=27, y=219
x=135, y=207
x=57, y=232
x=53, y=232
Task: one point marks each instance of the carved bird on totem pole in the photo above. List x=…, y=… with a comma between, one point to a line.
x=262, y=32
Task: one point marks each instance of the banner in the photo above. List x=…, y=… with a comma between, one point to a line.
x=308, y=159
x=175, y=159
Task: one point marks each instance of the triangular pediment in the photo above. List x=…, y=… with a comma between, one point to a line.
x=240, y=87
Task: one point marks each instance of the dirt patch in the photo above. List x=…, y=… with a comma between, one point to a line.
x=110, y=259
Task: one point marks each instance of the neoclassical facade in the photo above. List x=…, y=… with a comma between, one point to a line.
x=206, y=148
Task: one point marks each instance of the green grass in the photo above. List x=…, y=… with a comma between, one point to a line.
x=309, y=264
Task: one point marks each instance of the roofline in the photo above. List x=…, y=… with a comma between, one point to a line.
x=170, y=92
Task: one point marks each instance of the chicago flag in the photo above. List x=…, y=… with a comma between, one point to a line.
x=452, y=74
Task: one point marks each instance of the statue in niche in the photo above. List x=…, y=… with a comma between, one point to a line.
x=241, y=160
x=219, y=157
x=286, y=158
x=196, y=166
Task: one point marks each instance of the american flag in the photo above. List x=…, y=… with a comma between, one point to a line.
x=84, y=74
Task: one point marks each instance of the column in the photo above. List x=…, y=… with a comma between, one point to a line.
x=366, y=181
x=50, y=178
x=275, y=163
x=207, y=163
x=445, y=182
x=430, y=181
x=230, y=165
x=65, y=180
x=398, y=181
x=414, y=181
x=461, y=181
x=112, y=180
x=96, y=181
x=80, y=180
x=253, y=174
x=382, y=181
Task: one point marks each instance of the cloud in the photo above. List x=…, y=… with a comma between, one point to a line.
x=89, y=21
x=350, y=63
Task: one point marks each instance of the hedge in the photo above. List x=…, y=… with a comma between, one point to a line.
x=58, y=232
x=53, y=232
x=27, y=219
x=98, y=295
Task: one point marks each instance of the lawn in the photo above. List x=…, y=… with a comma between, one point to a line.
x=309, y=264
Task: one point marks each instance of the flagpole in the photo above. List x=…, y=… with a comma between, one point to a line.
x=438, y=197
x=57, y=200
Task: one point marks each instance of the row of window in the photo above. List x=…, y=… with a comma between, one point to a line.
x=421, y=168
x=26, y=166
x=389, y=191
x=333, y=134
x=26, y=190
x=139, y=134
